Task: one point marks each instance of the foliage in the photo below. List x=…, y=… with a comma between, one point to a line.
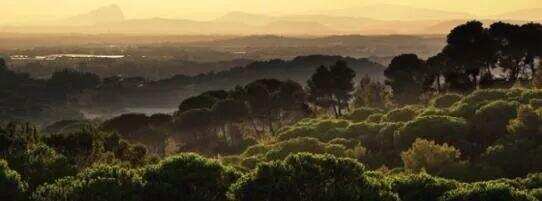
x=439, y=160
x=421, y=187
x=361, y=114
x=487, y=191
x=322, y=129
x=332, y=87
x=13, y=187
x=187, y=177
x=338, y=147
x=490, y=121
x=104, y=183
x=403, y=114
x=442, y=129
x=311, y=177
x=445, y=100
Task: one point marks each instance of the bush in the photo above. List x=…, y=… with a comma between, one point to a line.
x=487, y=95
x=374, y=118
x=469, y=105
x=533, y=181
x=104, y=183
x=311, y=177
x=281, y=150
x=403, y=114
x=445, y=100
x=433, y=112
x=441, y=129
x=11, y=185
x=529, y=95
x=527, y=123
x=490, y=121
x=361, y=114
x=514, y=159
x=421, y=187
x=439, y=160
x=41, y=164
x=535, y=103
x=345, y=142
x=537, y=193
x=322, y=129
x=487, y=191
x=363, y=130
x=188, y=177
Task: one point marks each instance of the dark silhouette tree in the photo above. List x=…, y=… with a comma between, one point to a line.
x=510, y=50
x=332, y=87
x=472, y=53
x=70, y=81
x=438, y=67
x=343, y=84
x=407, y=75
x=272, y=103
x=196, y=128
x=226, y=113
x=531, y=39
x=2, y=63
x=197, y=102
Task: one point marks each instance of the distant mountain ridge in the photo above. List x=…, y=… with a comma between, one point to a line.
x=375, y=19
x=398, y=12
x=104, y=15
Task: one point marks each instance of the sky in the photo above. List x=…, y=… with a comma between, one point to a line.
x=29, y=10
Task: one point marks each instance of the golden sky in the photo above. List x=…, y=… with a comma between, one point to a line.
x=29, y=10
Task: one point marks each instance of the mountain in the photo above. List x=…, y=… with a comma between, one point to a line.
x=104, y=15
x=397, y=12
x=377, y=19
x=245, y=18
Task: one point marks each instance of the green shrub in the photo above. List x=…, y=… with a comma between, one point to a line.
x=104, y=183
x=403, y=114
x=361, y=114
x=528, y=95
x=514, y=159
x=445, y=100
x=535, y=103
x=439, y=160
x=490, y=121
x=527, y=123
x=537, y=193
x=441, y=129
x=533, y=181
x=486, y=95
x=188, y=177
x=41, y=164
x=311, y=177
x=345, y=142
x=487, y=191
x=363, y=130
x=433, y=112
x=281, y=150
x=421, y=187
x=11, y=185
x=375, y=118
x=323, y=129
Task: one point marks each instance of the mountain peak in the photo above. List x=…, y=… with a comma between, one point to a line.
x=103, y=15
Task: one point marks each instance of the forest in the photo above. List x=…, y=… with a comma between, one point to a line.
x=463, y=125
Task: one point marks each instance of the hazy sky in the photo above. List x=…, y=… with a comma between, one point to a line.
x=28, y=10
